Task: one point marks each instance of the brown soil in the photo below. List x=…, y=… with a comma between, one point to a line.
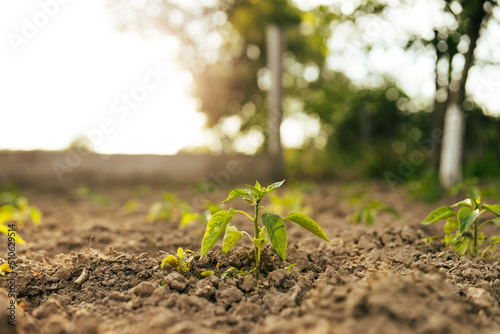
x=93, y=268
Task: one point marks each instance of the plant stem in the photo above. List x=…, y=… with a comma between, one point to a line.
x=474, y=247
x=257, y=250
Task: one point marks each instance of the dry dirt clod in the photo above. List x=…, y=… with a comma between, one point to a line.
x=50, y=307
x=145, y=289
x=176, y=281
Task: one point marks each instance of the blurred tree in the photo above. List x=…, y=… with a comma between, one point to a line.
x=471, y=16
x=222, y=43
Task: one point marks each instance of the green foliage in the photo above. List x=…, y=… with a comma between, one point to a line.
x=88, y=194
x=173, y=208
x=291, y=200
x=462, y=228
x=16, y=209
x=4, y=268
x=182, y=262
x=426, y=188
x=170, y=208
x=232, y=272
x=369, y=211
x=131, y=206
x=273, y=231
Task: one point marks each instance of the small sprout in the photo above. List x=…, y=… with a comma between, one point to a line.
x=4, y=268
x=273, y=231
x=289, y=268
x=182, y=262
x=368, y=212
x=208, y=273
x=15, y=209
x=172, y=208
x=131, y=206
x=462, y=229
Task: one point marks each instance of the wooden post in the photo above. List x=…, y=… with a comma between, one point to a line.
x=275, y=46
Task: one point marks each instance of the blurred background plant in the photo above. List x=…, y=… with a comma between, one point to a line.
x=14, y=208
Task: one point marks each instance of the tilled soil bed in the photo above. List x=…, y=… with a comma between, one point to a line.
x=93, y=268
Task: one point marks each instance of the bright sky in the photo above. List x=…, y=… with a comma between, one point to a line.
x=71, y=72
x=76, y=74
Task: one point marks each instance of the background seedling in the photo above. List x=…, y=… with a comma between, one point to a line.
x=291, y=200
x=4, y=268
x=273, y=230
x=233, y=272
x=369, y=211
x=170, y=208
x=88, y=194
x=131, y=206
x=173, y=208
x=16, y=209
x=182, y=262
x=462, y=228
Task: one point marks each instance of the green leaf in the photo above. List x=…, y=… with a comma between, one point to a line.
x=277, y=233
x=180, y=253
x=475, y=195
x=263, y=234
x=466, y=202
x=171, y=260
x=188, y=217
x=257, y=185
x=260, y=242
x=495, y=208
x=230, y=238
x=154, y=212
x=207, y=273
x=356, y=218
x=438, y=214
x=215, y=228
x=466, y=217
x=392, y=211
x=369, y=217
x=307, y=223
x=451, y=225
x=272, y=187
x=6, y=230
x=236, y=193
x=448, y=239
x=36, y=215
x=461, y=246
x=496, y=221
x=495, y=240
x=256, y=192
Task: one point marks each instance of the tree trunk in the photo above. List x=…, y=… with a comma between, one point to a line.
x=275, y=46
x=450, y=168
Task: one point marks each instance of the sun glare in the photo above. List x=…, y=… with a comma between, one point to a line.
x=66, y=77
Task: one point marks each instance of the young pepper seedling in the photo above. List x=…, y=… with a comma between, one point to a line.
x=273, y=230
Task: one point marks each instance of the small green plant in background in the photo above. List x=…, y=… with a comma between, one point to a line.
x=131, y=206
x=4, y=268
x=462, y=228
x=273, y=230
x=15, y=208
x=232, y=272
x=88, y=194
x=369, y=211
x=182, y=262
x=170, y=208
x=426, y=188
x=291, y=200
